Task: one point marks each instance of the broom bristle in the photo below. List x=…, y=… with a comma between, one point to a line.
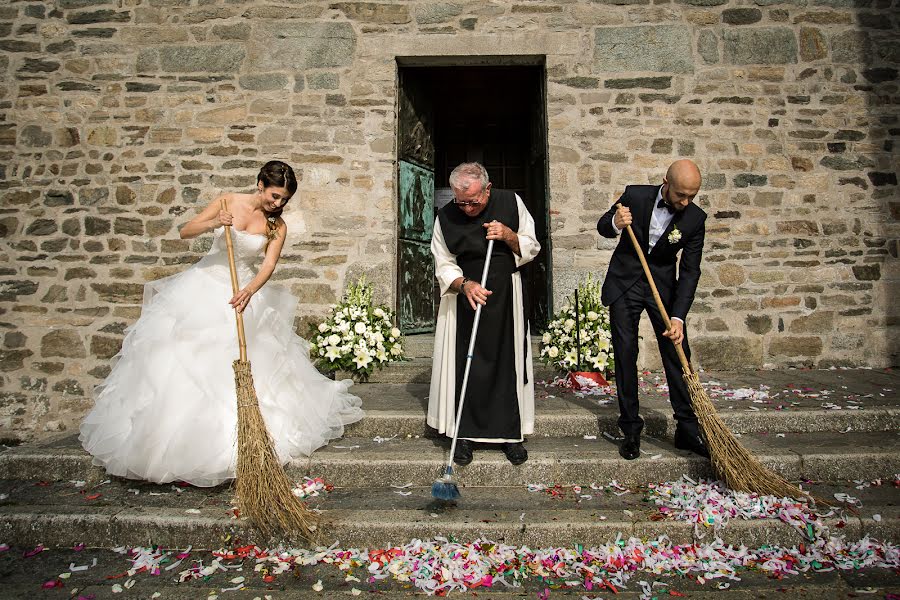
x=264, y=492
x=740, y=470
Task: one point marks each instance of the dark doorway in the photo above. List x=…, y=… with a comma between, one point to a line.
x=451, y=114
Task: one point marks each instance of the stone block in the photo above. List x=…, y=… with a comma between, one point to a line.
x=33, y=136
x=98, y=16
x=370, y=12
x=653, y=48
x=749, y=179
x=867, y=272
x=119, y=292
x=731, y=274
x=760, y=46
x=105, y=347
x=851, y=47
x=13, y=360
x=264, y=82
x=437, y=12
x=795, y=346
x=299, y=46
x=727, y=352
x=741, y=16
x=323, y=81
x=40, y=227
x=812, y=44
x=819, y=322
x=708, y=46
x=314, y=293
x=94, y=226
x=222, y=58
x=92, y=196
x=653, y=83
x=799, y=226
x=758, y=324
x=66, y=343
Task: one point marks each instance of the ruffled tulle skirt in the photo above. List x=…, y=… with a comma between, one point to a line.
x=167, y=411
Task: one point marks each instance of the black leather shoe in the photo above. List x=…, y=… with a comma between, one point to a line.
x=515, y=452
x=463, y=453
x=631, y=447
x=692, y=442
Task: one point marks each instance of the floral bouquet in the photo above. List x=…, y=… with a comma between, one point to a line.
x=578, y=338
x=357, y=336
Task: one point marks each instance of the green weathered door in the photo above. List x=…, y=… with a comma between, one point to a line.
x=415, y=205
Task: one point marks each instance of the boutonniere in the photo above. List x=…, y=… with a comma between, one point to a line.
x=674, y=235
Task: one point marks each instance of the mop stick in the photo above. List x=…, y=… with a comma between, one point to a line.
x=263, y=491
x=740, y=470
x=445, y=487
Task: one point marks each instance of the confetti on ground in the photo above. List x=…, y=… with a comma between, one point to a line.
x=710, y=505
x=439, y=566
x=310, y=487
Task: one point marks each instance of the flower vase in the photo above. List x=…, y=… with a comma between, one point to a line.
x=594, y=376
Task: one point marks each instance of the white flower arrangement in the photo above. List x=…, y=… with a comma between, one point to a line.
x=357, y=336
x=674, y=235
x=586, y=330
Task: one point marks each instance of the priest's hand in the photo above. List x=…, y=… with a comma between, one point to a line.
x=475, y=293
x=498, y=231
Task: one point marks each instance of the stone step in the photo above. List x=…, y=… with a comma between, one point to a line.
x=418, y=370
x=59, y=514
x=399, y=409
x=359, y=462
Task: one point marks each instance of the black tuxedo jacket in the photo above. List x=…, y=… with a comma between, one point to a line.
x=676, y=286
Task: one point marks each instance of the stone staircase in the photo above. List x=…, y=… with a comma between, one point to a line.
x=825, y=428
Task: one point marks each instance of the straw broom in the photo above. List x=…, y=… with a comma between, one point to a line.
x=734, y=464
x=263, y=490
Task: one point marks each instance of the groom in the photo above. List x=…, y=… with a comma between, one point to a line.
x=665, y=222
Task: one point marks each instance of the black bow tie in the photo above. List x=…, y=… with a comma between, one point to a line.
x=663, y=204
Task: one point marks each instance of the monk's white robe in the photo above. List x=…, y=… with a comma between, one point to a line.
x=442, y=400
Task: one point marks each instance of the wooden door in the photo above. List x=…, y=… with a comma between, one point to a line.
x=415, y=205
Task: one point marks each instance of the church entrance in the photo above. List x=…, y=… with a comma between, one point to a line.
x=495, y=115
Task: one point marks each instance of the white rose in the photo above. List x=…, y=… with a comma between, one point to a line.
x=396, y=350
x=323, y=327
x=359, y=328
x=344, y=327
x=334, y=339
x=592, y=316
x=378, y=312
x=547, y=337
x=395, y=332
x=553, y=351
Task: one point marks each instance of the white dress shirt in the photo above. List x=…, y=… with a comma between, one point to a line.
x=659, y=222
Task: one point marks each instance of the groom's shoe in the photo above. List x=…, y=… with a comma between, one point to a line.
x=631, y=446
x=463, y=454
x=690, y=441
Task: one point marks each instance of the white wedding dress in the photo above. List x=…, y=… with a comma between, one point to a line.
x=167, y=411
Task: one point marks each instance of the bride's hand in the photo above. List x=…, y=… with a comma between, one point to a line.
x=223, y=218
x=240, y=300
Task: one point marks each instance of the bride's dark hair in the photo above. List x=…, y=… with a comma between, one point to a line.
x=278, y=174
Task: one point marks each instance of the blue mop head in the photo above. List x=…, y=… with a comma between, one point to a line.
x=445, y=488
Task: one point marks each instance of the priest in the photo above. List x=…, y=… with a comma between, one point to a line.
x=499, y=400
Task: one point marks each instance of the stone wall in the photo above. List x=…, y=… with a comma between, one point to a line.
x=119, y=118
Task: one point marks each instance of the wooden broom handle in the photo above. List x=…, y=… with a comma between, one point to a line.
x=685, y=365
x=242, y=340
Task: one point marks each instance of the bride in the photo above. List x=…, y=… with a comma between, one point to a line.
x=167, y=411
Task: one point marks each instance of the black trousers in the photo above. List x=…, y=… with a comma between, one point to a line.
x=624, y=317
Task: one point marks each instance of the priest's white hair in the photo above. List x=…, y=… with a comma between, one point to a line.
x=468, y=173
